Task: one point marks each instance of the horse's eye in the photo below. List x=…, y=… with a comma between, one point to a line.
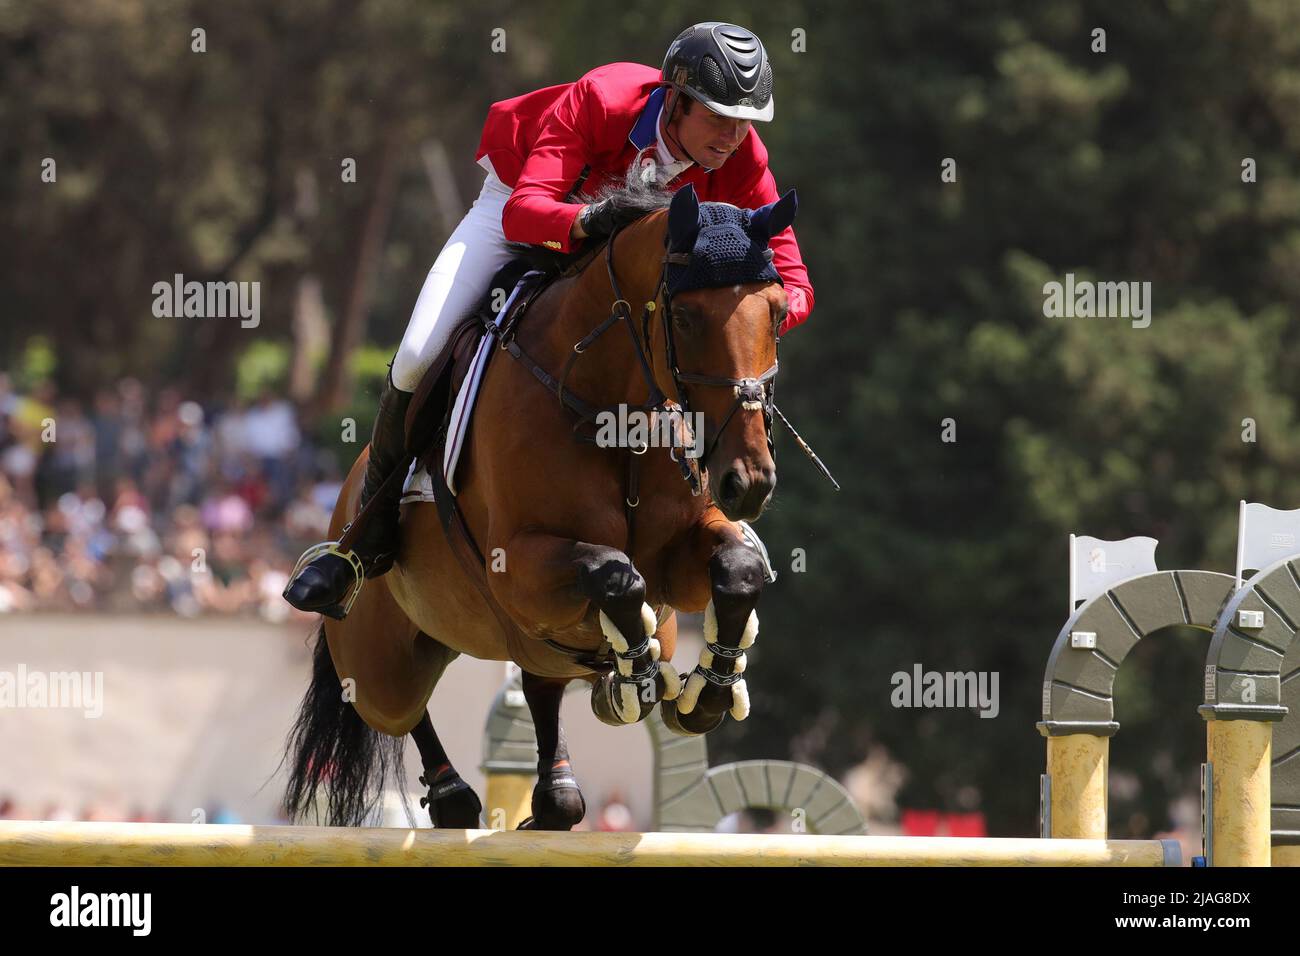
x=682, y=319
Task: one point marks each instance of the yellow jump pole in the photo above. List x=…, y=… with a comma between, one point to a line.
x=177, y=844
x=1077, y=765
x=1286, y=856
x=1240, y=756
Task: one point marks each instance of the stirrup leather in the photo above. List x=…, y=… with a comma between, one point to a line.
x=351, y=557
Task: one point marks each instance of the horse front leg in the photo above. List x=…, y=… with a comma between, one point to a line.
x=554, y=581
x=714, y=564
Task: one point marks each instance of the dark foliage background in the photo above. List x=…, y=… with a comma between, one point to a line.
x=1122, y=165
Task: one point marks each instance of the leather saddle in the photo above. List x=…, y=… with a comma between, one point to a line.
x=426, y=418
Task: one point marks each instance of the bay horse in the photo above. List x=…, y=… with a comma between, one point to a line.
x=587, y=551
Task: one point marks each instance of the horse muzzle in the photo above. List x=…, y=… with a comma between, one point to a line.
x=742, y=492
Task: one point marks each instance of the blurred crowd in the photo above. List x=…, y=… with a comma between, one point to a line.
x=110, y=810
x=155, y=501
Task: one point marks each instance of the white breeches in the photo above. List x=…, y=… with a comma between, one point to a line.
x=455, y=285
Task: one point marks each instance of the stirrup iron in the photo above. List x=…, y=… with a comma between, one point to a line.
x=338, y=611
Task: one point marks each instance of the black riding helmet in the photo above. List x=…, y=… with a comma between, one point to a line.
x=724, y=67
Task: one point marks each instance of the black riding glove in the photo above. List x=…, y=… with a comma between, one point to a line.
x=599, y=219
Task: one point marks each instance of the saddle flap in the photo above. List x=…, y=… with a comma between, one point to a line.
x=468, y=376
x=462, y=353
x=445, y=378
x=429, y=404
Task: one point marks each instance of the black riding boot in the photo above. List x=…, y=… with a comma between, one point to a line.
x=323, y=584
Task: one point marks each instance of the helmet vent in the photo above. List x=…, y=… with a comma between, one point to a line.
x=764, y=91
x=711, y=78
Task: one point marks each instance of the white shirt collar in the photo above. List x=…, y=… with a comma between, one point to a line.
x=669, y=166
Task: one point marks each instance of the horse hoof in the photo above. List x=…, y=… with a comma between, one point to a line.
x=693, y=724
x=556, y=808
x=459, y=810
x=617, y=714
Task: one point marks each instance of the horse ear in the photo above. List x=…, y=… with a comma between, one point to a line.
x=683, y=218
x=767, y=221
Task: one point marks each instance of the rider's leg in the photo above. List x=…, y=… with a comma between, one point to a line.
x=455, y=284
x=376, y=542
x=459, y=278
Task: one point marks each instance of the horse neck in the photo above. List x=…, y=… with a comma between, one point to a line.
x=609, y=372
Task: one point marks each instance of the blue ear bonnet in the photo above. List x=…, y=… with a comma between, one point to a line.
x=727, y=245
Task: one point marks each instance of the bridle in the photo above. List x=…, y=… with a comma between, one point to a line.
x=747, y=390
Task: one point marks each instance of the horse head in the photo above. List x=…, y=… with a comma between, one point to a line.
x=724, y=302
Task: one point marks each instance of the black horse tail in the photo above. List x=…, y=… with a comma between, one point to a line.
x=331, y=748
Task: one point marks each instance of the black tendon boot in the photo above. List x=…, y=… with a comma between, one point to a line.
x=325, y=576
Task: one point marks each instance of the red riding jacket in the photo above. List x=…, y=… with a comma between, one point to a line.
x=542, y=142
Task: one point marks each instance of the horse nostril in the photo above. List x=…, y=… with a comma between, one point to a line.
x=733, y=487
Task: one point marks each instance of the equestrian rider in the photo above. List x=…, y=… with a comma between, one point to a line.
x=539, y=150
